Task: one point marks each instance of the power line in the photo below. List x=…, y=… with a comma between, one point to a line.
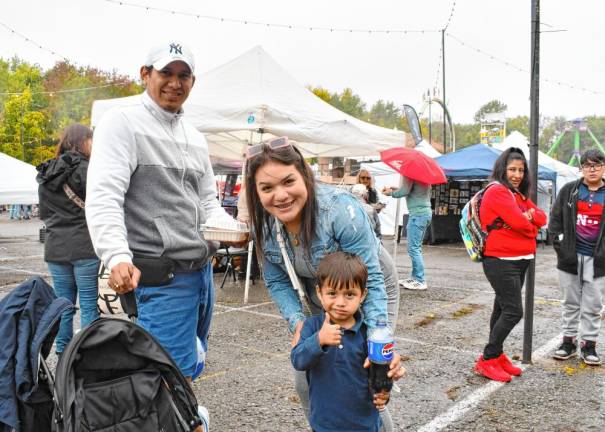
x=270, y=24
x=32, y=42
x=520, y=69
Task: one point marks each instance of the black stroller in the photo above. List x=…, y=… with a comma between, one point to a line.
x=114, y=376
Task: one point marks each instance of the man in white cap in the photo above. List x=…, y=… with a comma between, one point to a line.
x=150, y=188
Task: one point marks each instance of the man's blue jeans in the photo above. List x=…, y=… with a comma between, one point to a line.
x=416, y=229
x=178, y=312
x=78, y=277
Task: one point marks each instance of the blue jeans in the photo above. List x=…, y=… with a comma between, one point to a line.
x=416, y=229
x=78, y=277
x=178, y=312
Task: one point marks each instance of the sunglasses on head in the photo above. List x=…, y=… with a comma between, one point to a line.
x=273, y=144
x=365, y=178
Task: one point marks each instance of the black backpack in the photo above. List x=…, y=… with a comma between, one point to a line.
x=114, y=376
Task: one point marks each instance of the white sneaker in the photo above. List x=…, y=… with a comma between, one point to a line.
x=415, y=285
x=204, y=417
x=405, y=281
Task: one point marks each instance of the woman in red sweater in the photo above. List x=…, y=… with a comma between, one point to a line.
x=511, y=221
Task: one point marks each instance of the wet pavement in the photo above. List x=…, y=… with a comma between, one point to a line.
x=248, y=384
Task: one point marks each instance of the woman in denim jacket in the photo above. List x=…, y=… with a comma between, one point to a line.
x=312, y=220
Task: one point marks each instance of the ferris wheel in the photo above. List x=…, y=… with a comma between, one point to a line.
x=575, y=127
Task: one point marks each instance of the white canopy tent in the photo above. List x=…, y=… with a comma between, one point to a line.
x=252, y=98
x=384, y=175
x=18, y=181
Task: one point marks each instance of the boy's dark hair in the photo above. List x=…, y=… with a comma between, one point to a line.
x=592, y=155
x=342, y=270
x=499, y=171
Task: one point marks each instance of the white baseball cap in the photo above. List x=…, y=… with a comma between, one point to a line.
x=161, y=55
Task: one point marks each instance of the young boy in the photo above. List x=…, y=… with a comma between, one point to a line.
x=333, y=347
x=576, y=227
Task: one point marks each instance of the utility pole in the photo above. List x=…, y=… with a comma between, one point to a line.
x=534, y=120
x=444, y=105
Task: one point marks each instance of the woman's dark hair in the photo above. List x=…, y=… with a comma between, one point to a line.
x=73, y=139
x=499, y=171
x=260, y=218
x=342, y=270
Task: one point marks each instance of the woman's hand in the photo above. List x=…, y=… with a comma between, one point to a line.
x=296, y=335
x=381, y=399
x=396, y=369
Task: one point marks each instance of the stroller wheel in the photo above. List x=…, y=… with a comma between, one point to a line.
x=205, y=417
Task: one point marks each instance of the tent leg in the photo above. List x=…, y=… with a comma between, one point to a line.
x=248, y=270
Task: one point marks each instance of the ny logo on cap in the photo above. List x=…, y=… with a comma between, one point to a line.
x=176, y=48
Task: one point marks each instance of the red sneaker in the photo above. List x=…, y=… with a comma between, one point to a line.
x=491, y=369
x=508, y=366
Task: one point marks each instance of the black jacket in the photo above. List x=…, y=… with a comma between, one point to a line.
x=67, y=237
x=563, y=219
x=29, y=321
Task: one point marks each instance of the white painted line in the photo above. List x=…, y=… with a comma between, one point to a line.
x=17, y=258
x=472, y=400
x=446, y=348
x=24, y=271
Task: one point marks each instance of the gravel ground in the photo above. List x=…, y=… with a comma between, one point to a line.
x=247, y=385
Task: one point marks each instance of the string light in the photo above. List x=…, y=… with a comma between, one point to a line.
x=32, y=42
x=520, y=69
x=72, y=90
x=449, y=20
x=269, y=24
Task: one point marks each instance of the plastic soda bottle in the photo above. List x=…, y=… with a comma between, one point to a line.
x=380, y=354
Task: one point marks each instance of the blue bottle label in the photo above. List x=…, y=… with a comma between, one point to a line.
x=380, y=352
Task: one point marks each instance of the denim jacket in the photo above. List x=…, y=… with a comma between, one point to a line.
x=342, y=224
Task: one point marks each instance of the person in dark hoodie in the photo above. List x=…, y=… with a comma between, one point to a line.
x=68, y=250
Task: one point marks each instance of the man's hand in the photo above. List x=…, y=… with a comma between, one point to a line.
x=380, y=399
x=124, y=278
x=330, y=334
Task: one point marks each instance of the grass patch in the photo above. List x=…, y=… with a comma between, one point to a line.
x=429, y=318
x=465, y=310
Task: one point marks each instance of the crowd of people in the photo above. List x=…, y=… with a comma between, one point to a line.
x=133, y=196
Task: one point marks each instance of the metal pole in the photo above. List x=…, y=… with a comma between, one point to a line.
x=430, y=119
x=444, y=104
x=534, y=120
x=21, y=127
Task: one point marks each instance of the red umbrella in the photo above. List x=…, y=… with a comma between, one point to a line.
x=414, y=165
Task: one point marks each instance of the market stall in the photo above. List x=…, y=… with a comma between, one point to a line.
x=468, y=171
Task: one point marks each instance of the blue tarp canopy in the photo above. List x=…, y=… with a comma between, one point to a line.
x=477, y=162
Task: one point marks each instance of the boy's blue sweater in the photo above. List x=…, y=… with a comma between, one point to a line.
x=339, y=396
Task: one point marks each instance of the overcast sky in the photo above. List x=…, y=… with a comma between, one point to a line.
x=394, y=67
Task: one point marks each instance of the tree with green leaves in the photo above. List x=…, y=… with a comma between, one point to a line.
x=493, y=106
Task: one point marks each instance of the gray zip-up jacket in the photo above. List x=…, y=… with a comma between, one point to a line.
x=150, y=186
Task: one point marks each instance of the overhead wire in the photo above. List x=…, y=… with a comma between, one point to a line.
x=272, y=24
x=32, y=42
x=520, y=69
